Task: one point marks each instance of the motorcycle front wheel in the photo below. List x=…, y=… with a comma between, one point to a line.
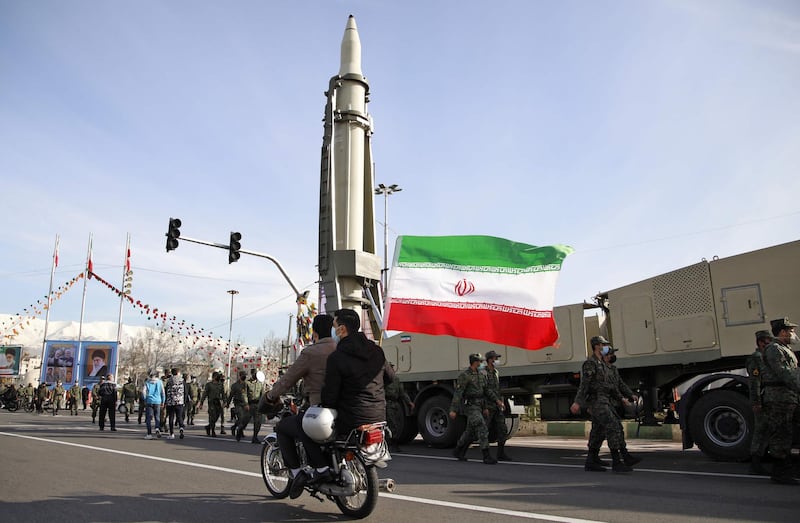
x=362, y=503
x=276, y=476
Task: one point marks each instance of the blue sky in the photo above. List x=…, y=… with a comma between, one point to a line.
x=646, y=135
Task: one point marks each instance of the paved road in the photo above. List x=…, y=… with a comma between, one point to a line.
x=63, y=469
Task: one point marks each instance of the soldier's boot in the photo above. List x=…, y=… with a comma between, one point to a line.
x=214, y=432
x=757, y=467
x=222, y=430
x=628, y=458
x=501, y=453
x=208, y=430
x=593, y=462
x=782, y=473
x=594, y=454
x=617, y=465
x=460, y=452
x=255, y=437
x=487, y=457
x=92, y=419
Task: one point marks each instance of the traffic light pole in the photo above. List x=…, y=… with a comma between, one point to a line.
x=297, y=293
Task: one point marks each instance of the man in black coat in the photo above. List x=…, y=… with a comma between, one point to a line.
x=108, y=402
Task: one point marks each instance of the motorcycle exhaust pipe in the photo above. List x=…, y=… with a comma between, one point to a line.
x=386, y=485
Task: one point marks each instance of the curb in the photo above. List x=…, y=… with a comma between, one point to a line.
x=581, y=429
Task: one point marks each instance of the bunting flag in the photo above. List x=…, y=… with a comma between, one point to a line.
x=128, y=260
x=477, y=287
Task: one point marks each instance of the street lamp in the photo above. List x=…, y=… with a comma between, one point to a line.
x=233, y=293
x=386, y=191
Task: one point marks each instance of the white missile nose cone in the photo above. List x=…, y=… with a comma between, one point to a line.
x=351, y=50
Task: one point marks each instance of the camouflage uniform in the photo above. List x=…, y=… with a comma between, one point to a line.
x=95, y=400
x=497, y=419
x=598, y=391
x=755, y=364
x=780, y=397
x=396, y=401
x=239, y=398
x=58, y=398
x=214, y=392
x=598, y=433
x=471, y=394
x=193, y=393
x=129, y=393
x=74, y=396
x=254, y=390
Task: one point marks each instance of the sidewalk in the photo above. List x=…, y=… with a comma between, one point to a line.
x=580, y=429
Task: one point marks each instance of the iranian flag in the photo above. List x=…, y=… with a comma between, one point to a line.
x=478, y=287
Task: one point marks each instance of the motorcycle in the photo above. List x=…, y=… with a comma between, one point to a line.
x=354, y=460
x=9, y=404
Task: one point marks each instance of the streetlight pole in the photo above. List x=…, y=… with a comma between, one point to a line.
x=386, y=191
x=233, y=293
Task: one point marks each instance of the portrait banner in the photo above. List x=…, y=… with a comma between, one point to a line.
x=97, y=361
x=60, y=362
x=10, y=356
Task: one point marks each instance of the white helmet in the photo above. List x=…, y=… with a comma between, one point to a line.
x=318, y=424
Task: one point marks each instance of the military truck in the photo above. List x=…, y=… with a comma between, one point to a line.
x=683, y=338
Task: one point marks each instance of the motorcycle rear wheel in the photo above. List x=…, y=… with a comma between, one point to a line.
x=276, y=475
x=363, y=502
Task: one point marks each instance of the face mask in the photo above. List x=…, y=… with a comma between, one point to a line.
x=335, y=336
x=605, y=350
x=482, y=366
x=793, y=339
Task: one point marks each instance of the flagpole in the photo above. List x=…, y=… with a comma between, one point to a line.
x=50, y=296
x=83, y=299
x=126, y=267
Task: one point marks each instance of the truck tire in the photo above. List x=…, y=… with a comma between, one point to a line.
x=435, y=425
x=722, y=425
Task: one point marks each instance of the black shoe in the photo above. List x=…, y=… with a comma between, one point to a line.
x=592, y=466
x=254, y=440
x=238, y=434
x=321, y=477
x=113, y=430
x=298, y=484
x=222, y=431
x=629, y=459
x=208, y=431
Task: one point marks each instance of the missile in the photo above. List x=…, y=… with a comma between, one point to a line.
x=348, y=265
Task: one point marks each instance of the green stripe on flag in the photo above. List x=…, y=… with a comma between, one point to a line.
x=478, y=253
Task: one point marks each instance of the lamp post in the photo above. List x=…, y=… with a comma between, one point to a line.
x=386, y=191
x=233, y=293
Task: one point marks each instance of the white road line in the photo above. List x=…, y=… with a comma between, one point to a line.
x=463, y=506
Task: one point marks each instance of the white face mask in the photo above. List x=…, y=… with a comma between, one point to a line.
x=793, y=339
x=335, y=336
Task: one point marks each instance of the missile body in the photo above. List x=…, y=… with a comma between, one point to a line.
x=348, y=264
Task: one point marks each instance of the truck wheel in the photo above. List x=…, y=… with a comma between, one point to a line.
x=722, y=425
x=435, y=425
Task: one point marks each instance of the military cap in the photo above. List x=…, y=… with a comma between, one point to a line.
x=475, y=357
x=598, y=340
x=760, y=335
x=492, y=354
x=781, y=323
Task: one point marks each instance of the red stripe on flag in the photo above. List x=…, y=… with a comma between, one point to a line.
x=128, y=261
x=491, y=326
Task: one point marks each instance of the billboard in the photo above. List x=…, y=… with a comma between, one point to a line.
x=10, y=356
x=60, y=362
x=98, y=359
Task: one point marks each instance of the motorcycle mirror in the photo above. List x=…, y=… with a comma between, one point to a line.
x=261, y=377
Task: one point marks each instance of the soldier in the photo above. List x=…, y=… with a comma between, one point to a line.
x=755, y=362
x=397, y=401
x=496, y=417
x=84, y=396
x=57, y=398
x=74, y=395
x=129, y=394
x=193, y=395
x=597, y=433
x=780, y=397
x=239, y=398
x=214, y=392
x=472, y=392
x=96, y=398
x=41, y=397
x=30, y=393
x=598, y=390
x=254, y=391
x=226, y=392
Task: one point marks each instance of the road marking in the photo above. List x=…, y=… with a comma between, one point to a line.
x=463, y=506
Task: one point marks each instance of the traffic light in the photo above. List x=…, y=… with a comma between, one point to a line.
x=234, y=246
x=173, y=233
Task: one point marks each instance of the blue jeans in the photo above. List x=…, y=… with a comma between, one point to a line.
x=151, y=410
